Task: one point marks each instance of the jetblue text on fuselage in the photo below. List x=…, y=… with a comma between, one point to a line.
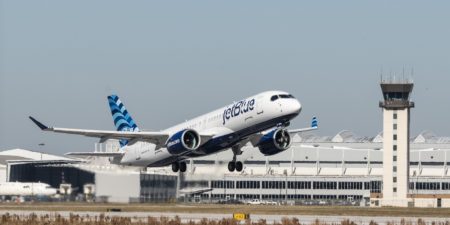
x=237, y=109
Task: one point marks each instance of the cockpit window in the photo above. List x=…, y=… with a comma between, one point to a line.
x=291, y=96
x=285, y=96
x=273, y=98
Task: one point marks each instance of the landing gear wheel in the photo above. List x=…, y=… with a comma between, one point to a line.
x=175, y=167
x=183, y=167
x=239, y=166
x=231, y=166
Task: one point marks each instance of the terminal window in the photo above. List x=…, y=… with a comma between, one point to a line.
x=375, y=186
x=395, y=116
x=324, y=185
x=222, y=184
x=395, y=179
x=274, y=185
x=428, y=186
x=247, y=185
x=395, y=137
x=395, y=189
x=351, y=185
x=395, y=158
x=395, y=147
x=395, y=126
x=395, y=169
x=297, y=184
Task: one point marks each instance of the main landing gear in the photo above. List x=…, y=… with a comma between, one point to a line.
x=235, y=165
x=181, y=166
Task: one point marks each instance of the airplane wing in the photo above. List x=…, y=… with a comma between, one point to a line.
x=133, y=137
x=97, y=154
x=196, y=192
x=313, y=127
x=157, y=138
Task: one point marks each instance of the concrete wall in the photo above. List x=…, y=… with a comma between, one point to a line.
x=119, y=187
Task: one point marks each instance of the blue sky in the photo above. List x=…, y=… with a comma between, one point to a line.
x=174, y=60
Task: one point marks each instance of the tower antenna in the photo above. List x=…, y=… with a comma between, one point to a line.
x=390, y=73
x=381, y=75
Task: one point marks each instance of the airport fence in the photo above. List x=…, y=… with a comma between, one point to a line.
x=249, y=201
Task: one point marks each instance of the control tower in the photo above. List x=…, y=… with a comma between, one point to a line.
x=396, y=116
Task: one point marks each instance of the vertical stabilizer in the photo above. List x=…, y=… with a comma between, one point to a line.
x=121, y=117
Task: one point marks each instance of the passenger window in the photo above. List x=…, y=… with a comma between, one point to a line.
x=275, y=97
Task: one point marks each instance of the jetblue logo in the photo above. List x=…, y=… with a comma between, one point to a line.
x=126, y=129
x=173, y=142
x=237, y=109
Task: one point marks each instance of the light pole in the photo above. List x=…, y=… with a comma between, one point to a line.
x=42, y=148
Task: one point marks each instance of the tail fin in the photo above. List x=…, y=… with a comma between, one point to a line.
x=121, y=117
x=314, y=122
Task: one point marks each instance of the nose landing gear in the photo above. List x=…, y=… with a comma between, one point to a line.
x=179, y=166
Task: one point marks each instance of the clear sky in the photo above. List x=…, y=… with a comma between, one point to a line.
x=174, y=60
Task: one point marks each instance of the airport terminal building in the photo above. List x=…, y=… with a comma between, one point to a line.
x=314, y=168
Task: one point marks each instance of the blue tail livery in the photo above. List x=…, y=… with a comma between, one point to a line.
x=121, y=117
x=314, y=122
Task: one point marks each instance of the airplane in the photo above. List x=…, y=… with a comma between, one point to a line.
x=26, y=189
x=260, y=119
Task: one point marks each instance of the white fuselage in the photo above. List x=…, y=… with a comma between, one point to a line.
x=230, y=125
x=26, y=189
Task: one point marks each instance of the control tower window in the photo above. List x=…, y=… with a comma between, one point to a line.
x=273, y=98
x=396, y=96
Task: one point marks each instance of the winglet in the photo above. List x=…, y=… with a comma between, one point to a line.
x=314, y=122
x=40, y=125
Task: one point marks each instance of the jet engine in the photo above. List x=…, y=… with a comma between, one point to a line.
x=183, y=142
x=275, y=142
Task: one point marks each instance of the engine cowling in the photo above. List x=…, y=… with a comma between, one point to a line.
x=275, y=142
x=183, y=142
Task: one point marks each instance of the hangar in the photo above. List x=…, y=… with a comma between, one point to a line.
x=87, y=179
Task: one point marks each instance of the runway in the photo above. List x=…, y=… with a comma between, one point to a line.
x=185, y=217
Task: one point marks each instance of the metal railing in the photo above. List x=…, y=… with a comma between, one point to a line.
x=396, y=104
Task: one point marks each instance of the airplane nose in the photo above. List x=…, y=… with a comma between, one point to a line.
x=297, y=107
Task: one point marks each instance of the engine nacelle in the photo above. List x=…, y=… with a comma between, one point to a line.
x=275, y=142
x=183, y=142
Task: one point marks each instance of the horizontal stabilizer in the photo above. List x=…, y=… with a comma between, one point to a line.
x=97, y=154
x=313, y=127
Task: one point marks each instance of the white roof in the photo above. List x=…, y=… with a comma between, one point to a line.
x=23, y=154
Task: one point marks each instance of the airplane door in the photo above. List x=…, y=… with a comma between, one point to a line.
x=259, y=108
